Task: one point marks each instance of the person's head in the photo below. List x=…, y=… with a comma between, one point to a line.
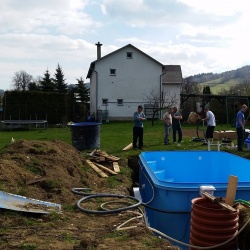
x=140, y=108
x=244, y=108
x=206, y=110
x=170, y=109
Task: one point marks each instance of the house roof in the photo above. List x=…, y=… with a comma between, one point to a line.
x=92, y=64
x=172, y=74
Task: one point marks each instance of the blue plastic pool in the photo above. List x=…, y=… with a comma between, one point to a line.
x=169, y=180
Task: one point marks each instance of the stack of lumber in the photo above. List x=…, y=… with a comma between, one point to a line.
x=103, y=163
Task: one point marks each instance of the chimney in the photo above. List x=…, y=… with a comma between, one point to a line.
x=98, y=50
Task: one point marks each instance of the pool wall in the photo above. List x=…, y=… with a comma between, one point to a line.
x=169, y=180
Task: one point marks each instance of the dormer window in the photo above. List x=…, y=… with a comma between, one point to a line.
x=112, y=72
x=129, y=55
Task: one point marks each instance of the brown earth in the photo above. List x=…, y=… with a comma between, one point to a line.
x=48, y=171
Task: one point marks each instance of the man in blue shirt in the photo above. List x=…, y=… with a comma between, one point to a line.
x=240, y=126
x=138, y=119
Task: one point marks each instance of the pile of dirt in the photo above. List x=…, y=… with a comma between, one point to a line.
x=48, y=171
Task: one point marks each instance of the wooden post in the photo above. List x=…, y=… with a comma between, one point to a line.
x=129, y=146
x=116, y=167
x=231, y=190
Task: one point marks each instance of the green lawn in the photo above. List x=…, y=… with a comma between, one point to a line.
x=114, y=136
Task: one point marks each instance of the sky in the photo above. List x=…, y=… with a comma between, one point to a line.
x=200, y=35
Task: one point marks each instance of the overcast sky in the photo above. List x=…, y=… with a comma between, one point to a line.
x=200, y=35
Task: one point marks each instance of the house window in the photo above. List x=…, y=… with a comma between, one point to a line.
x=104, y=102
x=112, y=72
x=129, y=55
x=119, y=102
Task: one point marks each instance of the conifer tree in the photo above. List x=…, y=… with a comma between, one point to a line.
x=206, y=90
x=82, y=91
x=59, y=80
x=46, y=83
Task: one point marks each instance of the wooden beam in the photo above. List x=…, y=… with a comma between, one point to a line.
x=129, y=146
x=105, y=168
x=96, y=169
x=219, y=201
x=109, y=157
x=116, y=167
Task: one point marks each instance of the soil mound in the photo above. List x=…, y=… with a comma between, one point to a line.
x=43, y=170
x=48, y=171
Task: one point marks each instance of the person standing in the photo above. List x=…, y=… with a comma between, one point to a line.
x=176, y=124
x=240, y=126
x=211, y=123
x=167, y=119
x=138, y=119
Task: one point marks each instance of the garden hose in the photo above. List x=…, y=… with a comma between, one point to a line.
x=87, y=196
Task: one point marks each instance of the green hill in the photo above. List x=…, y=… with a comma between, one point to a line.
x=217, y=85
x=223, y=81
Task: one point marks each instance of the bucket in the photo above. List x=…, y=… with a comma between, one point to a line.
x=212, y=225
x=247, y=141
x=85, y=135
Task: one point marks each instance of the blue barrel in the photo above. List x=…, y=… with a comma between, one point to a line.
x=85, y=135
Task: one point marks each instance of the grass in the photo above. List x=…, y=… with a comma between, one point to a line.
x=114, y=136
x=28, y=246
x=62, y=134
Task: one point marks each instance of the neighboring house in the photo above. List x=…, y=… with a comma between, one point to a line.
x=126, y=78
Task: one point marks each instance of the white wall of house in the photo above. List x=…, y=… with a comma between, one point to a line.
x=93, y=93
x=135, y=78
x=173, y=91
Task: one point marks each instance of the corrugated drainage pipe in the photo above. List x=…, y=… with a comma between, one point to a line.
x=212, y=225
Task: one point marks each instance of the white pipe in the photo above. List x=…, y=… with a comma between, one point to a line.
x=208, y=146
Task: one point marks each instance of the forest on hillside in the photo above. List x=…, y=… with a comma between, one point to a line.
x=242, y=73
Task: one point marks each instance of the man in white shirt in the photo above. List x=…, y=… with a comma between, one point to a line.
x=211, y=123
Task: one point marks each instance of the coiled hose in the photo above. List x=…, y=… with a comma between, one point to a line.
x=88, y=196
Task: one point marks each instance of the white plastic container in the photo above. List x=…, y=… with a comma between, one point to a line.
x=137, y=193
x=209, y=189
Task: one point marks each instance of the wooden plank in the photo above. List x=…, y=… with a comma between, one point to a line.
x=96, y=169
x=210, y=197
x=116, y=167
x=231, y=190
x=114, y=158
x=93, y=152
x=109, y=157
x=224, y=205
x=105, y=168
x=101, y=158
x=219, y=201
x=129, y=146
x=218, y=135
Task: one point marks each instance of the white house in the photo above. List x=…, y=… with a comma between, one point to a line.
x=128, y=77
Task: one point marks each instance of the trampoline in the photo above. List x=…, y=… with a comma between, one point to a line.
x=24, y=123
